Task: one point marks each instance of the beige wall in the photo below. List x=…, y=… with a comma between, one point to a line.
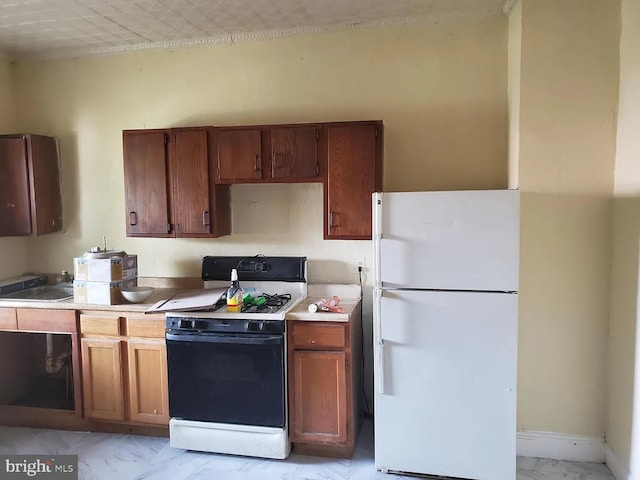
x=440, y=90
x=514, y=67
x=7, y=106
x=12, y=250
x=568, y=92
x=624, y=371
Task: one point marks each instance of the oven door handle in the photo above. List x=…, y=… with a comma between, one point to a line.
x=228, y=339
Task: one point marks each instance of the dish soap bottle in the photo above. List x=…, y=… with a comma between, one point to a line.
x=234, y=294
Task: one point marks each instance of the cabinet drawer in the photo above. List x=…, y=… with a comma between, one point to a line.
x=8, y=319
x=314, y=335
x=145, y=327
x=97, y=325
x=44, y=320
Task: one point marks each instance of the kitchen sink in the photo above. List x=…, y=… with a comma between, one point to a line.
x=50, y=293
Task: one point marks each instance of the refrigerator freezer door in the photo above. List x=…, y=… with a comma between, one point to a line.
x=466, y=240
x=447, y=405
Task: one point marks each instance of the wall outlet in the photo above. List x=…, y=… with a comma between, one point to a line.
x=360, y=263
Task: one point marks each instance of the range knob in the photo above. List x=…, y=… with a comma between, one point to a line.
x=200, y=324
x=262, y=267
x=253, y=326
x=186, y=323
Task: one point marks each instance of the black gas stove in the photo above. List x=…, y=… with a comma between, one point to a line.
x=228, y=368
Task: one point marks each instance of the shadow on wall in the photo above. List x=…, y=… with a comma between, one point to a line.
x=623, y=424
x=565, y=263
x=460, y=146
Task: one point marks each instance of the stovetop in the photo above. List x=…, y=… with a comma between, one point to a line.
x=280, y=281
x=264, y=303
x=275, y=309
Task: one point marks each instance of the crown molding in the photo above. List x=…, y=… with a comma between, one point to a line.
x=230, y=39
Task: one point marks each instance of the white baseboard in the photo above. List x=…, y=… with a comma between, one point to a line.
x=615, y=465
x=561, y=447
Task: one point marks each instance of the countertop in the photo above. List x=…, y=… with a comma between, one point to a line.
x=157, y=295
x=301, y=312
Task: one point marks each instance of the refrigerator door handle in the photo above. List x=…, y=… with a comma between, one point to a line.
x=381, y=389
x=379, y=346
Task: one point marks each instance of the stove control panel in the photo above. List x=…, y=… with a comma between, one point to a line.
x=212, y=325
x=255, y=268
x=190, y=324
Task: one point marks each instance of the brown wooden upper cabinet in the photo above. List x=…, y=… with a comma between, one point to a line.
x=354, y=172
x=30, y=196
x=169, y=187
x=268, y=154
x=294, y=152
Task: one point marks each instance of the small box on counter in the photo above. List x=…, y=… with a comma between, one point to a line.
x=100, y=293
x=105, y=269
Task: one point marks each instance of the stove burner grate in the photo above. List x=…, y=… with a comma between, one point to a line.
x=272, y=304
x=276, y=300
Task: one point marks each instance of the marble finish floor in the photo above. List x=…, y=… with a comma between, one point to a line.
x=103, y=456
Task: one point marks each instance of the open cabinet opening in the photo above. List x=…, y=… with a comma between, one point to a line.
x=36, y=370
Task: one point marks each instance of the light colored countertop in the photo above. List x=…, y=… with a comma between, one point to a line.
x=301, y=312
x=165, y=288
x=158, y=294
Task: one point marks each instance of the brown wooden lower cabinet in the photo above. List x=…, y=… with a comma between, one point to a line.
x=124, y=374
x=148, y=399
x=102, y=378
x=324, y=389
x=320, y=397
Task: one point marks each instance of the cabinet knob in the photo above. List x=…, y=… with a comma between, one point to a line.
x=256, y=164
x=155, y=412
x=205, y=218
x=133, y=218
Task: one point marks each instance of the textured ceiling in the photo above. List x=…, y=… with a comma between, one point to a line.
x=41, y=29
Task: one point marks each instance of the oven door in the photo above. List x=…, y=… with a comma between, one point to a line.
x=235, y=378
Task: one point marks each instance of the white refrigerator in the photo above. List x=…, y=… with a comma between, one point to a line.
x=445, y=319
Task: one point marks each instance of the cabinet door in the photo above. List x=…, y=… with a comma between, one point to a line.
x=294, y=152
x=145, y=180
x=15, y=205
x=30, y=198
x=319, y=409
x=46, y=195
x=148, y=397
x=354, y=173
x=239, y=155
x=191, y=182
x=102, y=379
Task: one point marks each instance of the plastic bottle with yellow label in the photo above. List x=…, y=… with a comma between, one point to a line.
x=234, y=294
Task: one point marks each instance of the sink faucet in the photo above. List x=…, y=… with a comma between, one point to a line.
x=64, y=277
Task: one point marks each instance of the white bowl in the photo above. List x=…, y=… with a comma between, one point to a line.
x=137, y=294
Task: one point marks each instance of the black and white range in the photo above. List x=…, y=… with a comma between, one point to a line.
x=227, y=370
